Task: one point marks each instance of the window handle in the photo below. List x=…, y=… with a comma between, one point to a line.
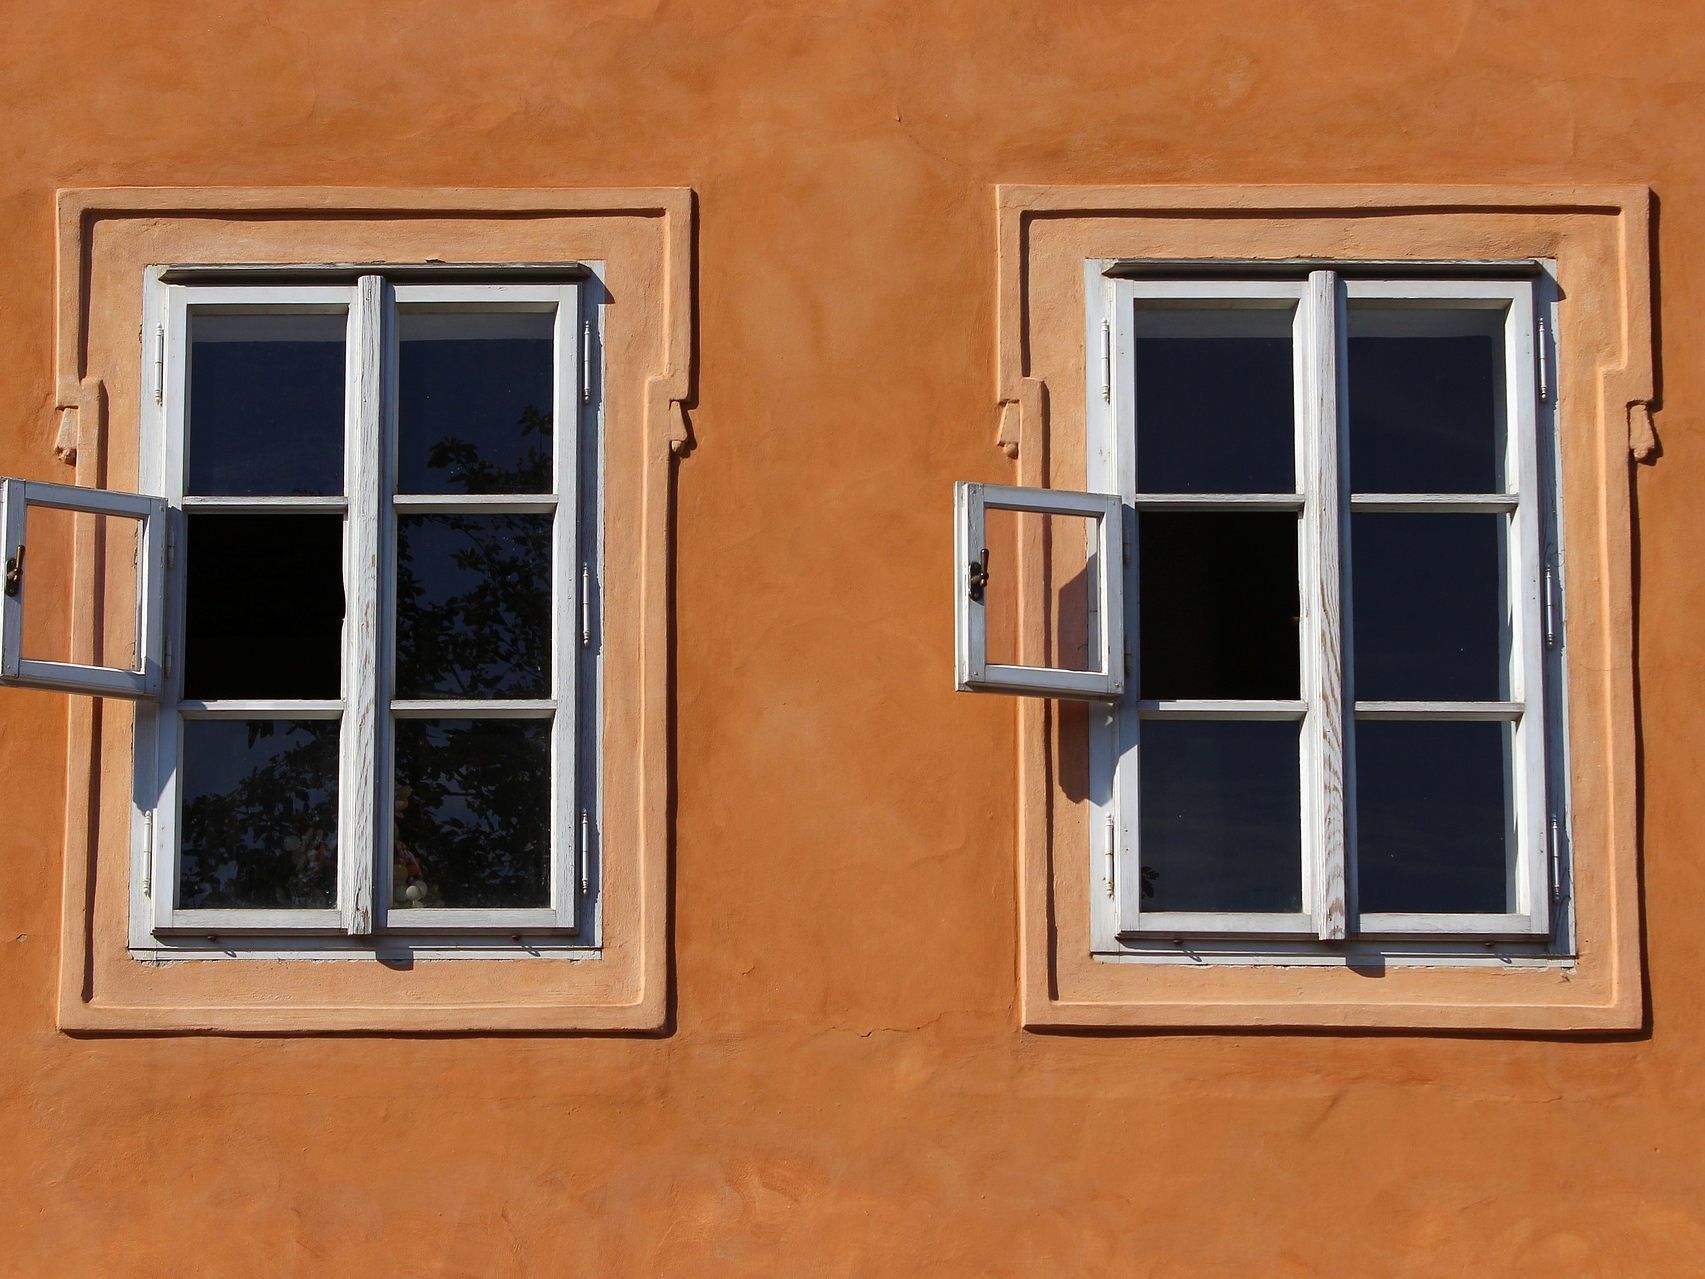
x=978, y=578
x=15, y=572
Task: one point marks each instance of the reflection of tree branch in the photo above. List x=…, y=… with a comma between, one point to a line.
x=472, y=799
x=489, y=640
x=473, y=810
x=473, y=820
x=269, y=841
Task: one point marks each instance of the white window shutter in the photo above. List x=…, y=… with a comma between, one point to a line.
x=143, y=678
x=1105, y=678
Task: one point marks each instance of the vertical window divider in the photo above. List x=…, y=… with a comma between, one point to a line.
x=1113, y=469
x=1326, y=850
x=1530, y=810
x=167, y=306
x=571, y=607
x=358, y=845
x=385, y=819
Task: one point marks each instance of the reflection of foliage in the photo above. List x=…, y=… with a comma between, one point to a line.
x=472, y=797
x=472, y=800
x=477, y=474
x=472, y=813
x=491, y=639
x=270, y=841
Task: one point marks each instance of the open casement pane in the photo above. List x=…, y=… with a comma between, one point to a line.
x=140, y=677
x=1068, y=565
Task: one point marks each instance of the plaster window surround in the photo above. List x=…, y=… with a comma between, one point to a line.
x=369, y=575
x=1335, y=729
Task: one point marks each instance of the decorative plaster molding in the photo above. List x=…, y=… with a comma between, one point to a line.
x=1629, y=385
x=101, y=989
x=1599, y=238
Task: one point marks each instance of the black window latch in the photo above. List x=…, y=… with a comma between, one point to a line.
x=974, y=583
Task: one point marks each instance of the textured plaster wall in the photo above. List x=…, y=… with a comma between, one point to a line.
x=844, y=1089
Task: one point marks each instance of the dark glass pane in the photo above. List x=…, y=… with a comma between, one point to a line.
x=1425, y=391
x=1220, y=817
x=1215, y=405
x=473, y=605
x=259, y=814
x=1432, y=816
x=1430, y=621
x=473, y=813
x=476, y=389
x=266, y=403
x=1219, y=604
x=263, y=606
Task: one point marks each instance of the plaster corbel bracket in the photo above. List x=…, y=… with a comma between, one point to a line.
x=82, y=422
x=666, y=395
x=80, y=401
x=1023, y=419
x=667, y=412
x=1634, y=383
x=1019, y=398
x=1642, y=435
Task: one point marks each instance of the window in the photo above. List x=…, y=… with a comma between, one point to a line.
x=1340, y=616
x=367, y=715
x=424, y=407
x=1339, y=535
x=1303, y=317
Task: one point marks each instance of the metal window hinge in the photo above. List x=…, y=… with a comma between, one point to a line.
x=1106, y=361
x=586, y=362
x=1555, y=837
x=148, y=853
x=1112, y=857
x=171, y=546
x=585, y=605
x=583, y=853
x=166, y=657
x=159, y=364
x=1544, y=363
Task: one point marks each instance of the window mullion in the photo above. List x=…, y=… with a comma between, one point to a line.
x=363, y=436
x=1323, y=664
x=1531, y=810
x=570, y=612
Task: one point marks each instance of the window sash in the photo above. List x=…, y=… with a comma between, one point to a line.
x=1324, y=504
x=141, y=679
x=366, y=706
x=1104, y=549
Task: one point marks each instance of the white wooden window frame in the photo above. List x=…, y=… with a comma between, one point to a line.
x=1119, y=925
x=1106, y=677
x=363, y=916
x=142, y=677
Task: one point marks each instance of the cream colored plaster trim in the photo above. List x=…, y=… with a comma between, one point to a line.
x=78, y=206
x=1608, y=420
x=633, y=994
x=1630, y=385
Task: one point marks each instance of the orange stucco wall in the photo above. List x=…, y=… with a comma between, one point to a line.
x=843, y=1087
